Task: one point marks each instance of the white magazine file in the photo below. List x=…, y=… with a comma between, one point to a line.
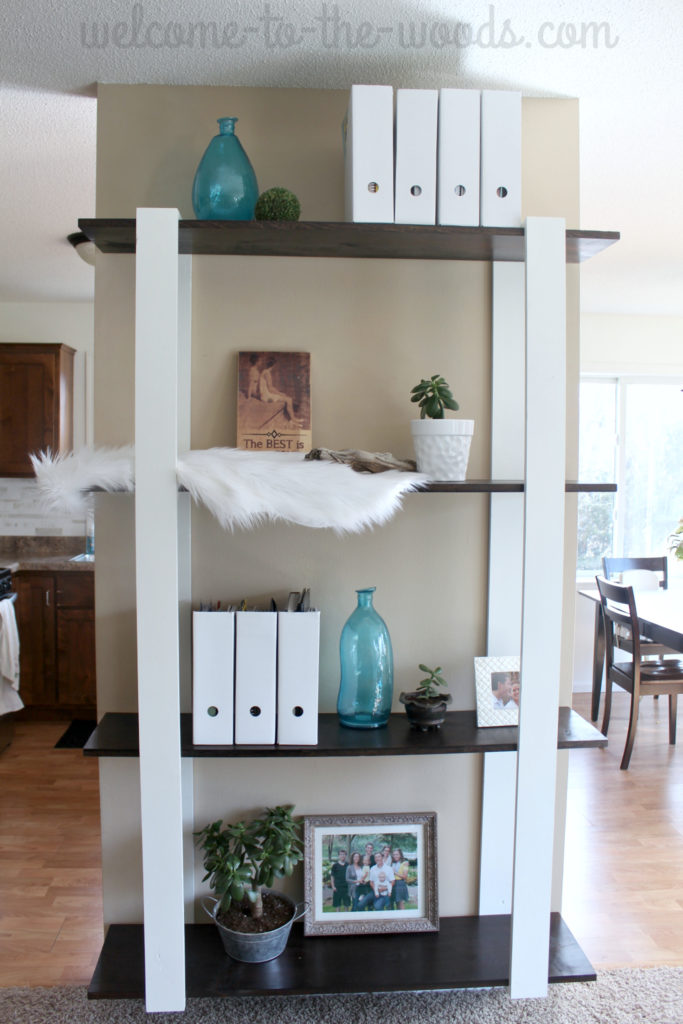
x=255, y=677
x=501, y=159
x=368, y=132
x=457, y=200
x=416, y=135
x=213, y=690
x=298, y=647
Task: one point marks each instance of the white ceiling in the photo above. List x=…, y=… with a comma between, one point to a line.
x=630, y=87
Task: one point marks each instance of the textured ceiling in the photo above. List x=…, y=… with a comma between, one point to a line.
x=629, y=85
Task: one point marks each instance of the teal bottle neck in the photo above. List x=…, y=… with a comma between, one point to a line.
x=365, y=597
x=226, y=125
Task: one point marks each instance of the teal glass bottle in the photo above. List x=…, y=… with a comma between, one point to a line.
x=367, y=667
x=224, y=186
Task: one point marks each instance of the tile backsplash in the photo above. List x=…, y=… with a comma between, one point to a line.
x=21, y=513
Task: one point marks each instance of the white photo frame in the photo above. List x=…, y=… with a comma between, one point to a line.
x=497, y=684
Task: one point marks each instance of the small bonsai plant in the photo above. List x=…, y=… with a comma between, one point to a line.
x=425, y=705
x=241, y=859
x=433, y=396
x=277, y=204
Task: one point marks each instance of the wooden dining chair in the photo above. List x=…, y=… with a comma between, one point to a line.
x=623, y=570
x=637, y=676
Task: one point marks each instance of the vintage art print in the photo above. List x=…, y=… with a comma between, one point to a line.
x=368, y=873
x=498, y=691
x=274, y=401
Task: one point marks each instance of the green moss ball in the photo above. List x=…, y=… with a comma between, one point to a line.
x=277, y=204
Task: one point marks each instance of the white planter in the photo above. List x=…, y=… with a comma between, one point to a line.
x=442, y=447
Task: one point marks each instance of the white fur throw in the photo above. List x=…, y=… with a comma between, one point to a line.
x=239, y=488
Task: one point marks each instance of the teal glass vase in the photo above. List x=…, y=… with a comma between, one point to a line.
x=224, y=186
x=367, y=667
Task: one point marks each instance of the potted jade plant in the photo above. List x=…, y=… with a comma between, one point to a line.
x=675, y=541
x=425, y=705
x=442, y=446
x=241, y=862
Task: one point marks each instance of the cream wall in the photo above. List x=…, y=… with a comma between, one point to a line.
x=373, y=328
x=69, y=323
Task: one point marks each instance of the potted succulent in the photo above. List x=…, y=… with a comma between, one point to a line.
x=242, y=861
x=675, y=541
x=442, y=446
x=425, y=706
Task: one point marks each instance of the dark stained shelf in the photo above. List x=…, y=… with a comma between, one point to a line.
x=342, y=239
x=506, y=487
x=117, y=736
x=479, y=487
x=466, y=952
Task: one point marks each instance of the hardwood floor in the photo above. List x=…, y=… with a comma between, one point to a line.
x=623, y=894
x=50, y=862
x=623, y=869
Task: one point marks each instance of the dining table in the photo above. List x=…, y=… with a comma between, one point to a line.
x=660, y=613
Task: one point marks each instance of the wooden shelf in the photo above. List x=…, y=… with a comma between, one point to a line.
x=341, y=239
x=474, y=487
x=466, y=952
x=507, y=487
x=117, y=736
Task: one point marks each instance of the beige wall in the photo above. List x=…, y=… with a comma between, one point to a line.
x=373, y=328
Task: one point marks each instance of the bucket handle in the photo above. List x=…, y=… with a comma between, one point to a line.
x=211, y=911
x=300, y=909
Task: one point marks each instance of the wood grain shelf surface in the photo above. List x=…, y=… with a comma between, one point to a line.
x=466, y=952
x=342, y=239
x=117, y=736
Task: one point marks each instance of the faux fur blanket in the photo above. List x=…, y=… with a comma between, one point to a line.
x=239, y=488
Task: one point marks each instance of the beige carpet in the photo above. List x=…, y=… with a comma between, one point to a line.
x=618, y=997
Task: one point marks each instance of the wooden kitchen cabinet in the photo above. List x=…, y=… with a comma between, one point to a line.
x=36, y=403
x=56, y=619
x=36, y=622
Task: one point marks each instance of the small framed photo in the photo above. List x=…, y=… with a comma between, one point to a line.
x=498, y=691
x=274, y=401
x=369, y=873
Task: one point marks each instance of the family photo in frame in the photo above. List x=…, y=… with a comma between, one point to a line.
x=369, y=873
x=498, y=686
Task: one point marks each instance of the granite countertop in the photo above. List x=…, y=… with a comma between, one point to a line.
x=44, y=563
x=43, y=554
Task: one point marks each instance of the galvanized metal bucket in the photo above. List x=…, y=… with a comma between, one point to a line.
x=254, y=947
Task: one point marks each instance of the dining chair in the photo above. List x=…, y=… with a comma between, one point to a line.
x=641, y=574
x=637, y=676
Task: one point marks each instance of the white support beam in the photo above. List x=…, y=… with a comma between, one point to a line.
x=544, y=502
x=185, y=565
x=157, y=327
x=506, y=535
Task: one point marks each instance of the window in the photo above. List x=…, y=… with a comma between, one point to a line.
x=631, y=432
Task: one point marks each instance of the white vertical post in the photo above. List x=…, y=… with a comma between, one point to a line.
x=156, y=539
x=544, y=502
x=506, y=535
x=185, y=564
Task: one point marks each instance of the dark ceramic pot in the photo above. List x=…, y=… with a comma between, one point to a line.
x=425, y=713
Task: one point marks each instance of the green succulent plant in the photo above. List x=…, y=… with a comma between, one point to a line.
x=277, y=204
x=241, y=859
x=433, y=396
x=428, y=687
x=676, y=540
